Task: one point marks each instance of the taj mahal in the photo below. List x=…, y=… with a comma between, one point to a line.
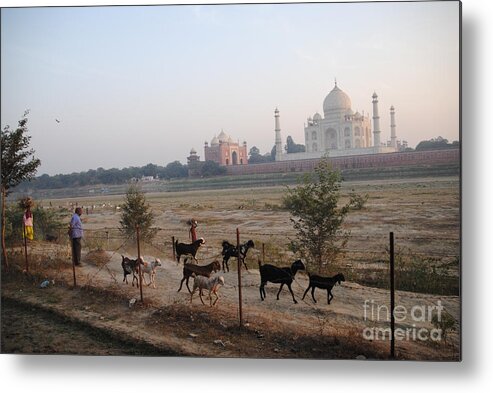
x=340, y=132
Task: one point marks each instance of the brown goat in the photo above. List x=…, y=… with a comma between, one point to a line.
x=206, y=271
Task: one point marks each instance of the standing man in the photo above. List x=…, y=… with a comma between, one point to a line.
x=75, y=233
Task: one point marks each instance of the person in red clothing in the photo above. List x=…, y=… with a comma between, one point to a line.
x=192, y=233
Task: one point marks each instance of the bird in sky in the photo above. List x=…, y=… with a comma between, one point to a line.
x=58, y=121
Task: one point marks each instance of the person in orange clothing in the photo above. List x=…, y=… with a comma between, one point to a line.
x=192, y=233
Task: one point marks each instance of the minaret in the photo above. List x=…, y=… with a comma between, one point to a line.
x=278, y=136
x=393, y=137
x=376, y=121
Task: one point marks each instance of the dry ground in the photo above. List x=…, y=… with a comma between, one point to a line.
x=416, y=209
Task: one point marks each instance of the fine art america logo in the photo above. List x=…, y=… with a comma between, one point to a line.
x=413, y=316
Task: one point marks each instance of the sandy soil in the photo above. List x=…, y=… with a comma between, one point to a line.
x=424, y=213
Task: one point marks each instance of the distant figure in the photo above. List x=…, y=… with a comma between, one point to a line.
x=28, y=224
x=76, y=232
x=192, y=233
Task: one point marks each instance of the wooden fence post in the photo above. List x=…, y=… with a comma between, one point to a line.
x=25, y=246
x=173, y=246
x=139, y=264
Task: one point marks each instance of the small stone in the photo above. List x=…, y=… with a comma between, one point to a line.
x=219, y=342
x=361, y=357
x=193, y=335
x=276, y=350
x=131, y=302
x=101, y=318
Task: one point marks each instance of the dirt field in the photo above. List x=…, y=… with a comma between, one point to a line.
x=418, y=211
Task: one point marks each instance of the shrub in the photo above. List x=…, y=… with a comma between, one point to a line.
x=359, y=201
x=136, y=211
x=446, y=323
x=317, y=217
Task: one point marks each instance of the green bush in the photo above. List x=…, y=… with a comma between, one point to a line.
x=446, y=323
x=358, y=201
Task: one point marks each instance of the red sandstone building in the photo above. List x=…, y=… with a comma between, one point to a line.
x=225, y=151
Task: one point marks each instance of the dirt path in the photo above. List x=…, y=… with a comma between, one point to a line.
x=170, y=319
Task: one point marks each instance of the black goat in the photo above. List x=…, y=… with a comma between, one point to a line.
x=323, y=283
x=230, y=250
x=188, y=249
x=130, y=266
x=278, y=275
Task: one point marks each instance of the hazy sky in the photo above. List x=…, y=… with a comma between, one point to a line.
x=133, y=85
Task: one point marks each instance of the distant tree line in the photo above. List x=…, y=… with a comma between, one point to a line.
x=106, y=176
x=176, y=170
x=255, y=157
x=437, y=144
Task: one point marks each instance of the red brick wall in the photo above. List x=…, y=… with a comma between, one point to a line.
x=354, y=162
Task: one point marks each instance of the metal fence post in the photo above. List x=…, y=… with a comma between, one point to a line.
x=239, y=276
x=392, y=298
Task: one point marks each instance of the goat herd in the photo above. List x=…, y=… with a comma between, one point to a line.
x=203, y=278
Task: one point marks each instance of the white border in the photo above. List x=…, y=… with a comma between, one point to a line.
x=82, y=374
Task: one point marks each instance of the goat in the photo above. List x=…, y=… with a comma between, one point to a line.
x=150, y=269
x=190, y=269
x=279, y=275
x=210, y=283
x=130, y=266
x=188, y=249
x=230, y=250
x=323, y=283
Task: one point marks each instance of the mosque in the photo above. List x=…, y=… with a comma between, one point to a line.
x=340, y=132
x=223, y=150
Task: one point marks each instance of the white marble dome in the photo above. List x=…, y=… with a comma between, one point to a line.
x=317, y=117
x=223, y=137
x=336, y=100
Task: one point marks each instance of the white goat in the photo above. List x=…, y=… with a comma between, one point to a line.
x=212, y=284
x=150, y=269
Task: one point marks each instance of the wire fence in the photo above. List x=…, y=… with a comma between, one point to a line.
x=422, y=264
